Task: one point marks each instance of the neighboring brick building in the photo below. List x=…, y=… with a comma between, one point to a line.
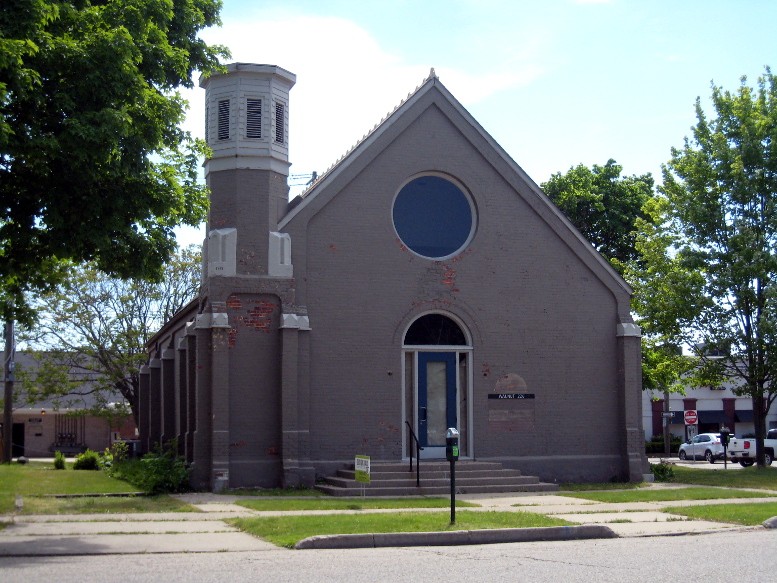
x=423, y=281
x=65, y=422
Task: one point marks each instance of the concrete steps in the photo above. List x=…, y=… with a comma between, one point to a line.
x=395, y=479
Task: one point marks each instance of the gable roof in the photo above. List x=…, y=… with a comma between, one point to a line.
x=539, y=201
x=81, y=392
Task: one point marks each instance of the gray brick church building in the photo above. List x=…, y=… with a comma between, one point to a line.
x=423, y=282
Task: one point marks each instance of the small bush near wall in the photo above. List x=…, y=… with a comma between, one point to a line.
x=59, y=460
x=119, y=451
x=662, y=472
x=157, y=472
x=89, y=460
x=116, y=454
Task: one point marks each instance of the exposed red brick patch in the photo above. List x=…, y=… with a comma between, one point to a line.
x=449, y=277
x=259, y=317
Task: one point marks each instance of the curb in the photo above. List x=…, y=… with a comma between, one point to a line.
x=456, y=537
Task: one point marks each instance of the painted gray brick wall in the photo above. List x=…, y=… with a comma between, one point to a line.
x=533, y=306
x=274, y=406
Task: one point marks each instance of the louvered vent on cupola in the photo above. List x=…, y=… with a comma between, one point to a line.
x=253, y=118
x=247, y=118
x=223, y=122
x=279, y=123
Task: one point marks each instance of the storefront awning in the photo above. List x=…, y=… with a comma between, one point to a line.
x=712, y=417
x=744, y=416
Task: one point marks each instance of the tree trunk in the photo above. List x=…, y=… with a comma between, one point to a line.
x=129, y=389
x=759, y=422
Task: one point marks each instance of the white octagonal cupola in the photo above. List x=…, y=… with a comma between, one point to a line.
x=247, y=117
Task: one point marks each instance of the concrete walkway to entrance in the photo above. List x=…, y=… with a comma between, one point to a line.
x=206, y=531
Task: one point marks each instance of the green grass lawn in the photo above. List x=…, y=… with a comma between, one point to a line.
x=765, y=479
x=666, y=495
x=36, y=483
x=287, y=531
x=746, y=514
x=350, y=503
x=752, y=477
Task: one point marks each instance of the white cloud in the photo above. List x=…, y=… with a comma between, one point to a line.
x=346, y=82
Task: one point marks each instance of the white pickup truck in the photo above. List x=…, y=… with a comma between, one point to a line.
x=743, y=450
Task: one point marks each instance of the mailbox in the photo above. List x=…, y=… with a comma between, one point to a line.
x=452, y=444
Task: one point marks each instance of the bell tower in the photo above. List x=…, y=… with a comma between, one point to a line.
x=247, y=129
x=247, y=328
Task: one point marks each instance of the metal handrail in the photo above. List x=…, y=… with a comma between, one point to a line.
x=418, y=449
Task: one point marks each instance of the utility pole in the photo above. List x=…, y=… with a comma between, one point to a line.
x=667, y=444
x=8, y=371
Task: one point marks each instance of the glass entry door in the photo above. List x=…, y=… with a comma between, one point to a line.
x=436, y=400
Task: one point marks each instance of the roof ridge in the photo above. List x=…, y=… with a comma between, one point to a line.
x=431, y=77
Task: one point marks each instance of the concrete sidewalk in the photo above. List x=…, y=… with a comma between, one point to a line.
x=119, y=534
x=633, y=519
x=206, y=531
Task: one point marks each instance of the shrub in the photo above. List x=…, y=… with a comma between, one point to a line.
x=89, y=460
x=105, y=459
x=662, y=471
x=158, y=472
x=59, y=460
x=119, y=451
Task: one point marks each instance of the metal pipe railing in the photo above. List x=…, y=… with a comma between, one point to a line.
x=418, y=449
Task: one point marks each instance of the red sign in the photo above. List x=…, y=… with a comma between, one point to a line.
x=691, y=417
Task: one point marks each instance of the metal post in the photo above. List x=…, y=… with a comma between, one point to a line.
x=724, y=435
x=8, y=395
x=667, y=444
x=453, y=492
x=417, y=464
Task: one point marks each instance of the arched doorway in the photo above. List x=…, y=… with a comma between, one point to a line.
x=437, y=382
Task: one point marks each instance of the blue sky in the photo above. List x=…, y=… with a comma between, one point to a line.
x=555, y=82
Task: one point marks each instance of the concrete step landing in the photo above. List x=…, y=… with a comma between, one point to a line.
x=397, y=479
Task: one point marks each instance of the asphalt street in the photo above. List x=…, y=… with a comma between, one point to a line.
x=710, y=558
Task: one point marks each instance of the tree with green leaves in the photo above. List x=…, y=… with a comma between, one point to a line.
x=603, y=205
x=708, y=277
x=96, y=328
x=93, y=164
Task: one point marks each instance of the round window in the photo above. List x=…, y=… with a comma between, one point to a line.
x=433, y=217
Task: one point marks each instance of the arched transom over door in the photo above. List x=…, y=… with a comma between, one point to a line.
x=437, y=383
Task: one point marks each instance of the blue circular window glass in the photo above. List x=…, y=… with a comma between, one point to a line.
x=433, y=217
